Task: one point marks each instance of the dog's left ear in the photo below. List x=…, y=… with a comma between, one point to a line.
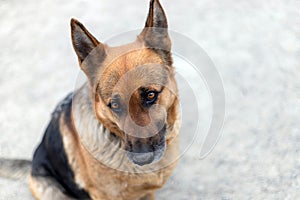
x=89, y=50
x=155, y=34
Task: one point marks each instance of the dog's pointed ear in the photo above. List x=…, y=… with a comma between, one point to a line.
x=155, y=33
x=89, y=50
x=156, y=16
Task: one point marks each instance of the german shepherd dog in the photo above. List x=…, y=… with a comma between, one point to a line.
x=116, y=137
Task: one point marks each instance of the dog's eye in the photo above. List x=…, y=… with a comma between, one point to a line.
x=151, y=95
x=150, y=98
x=114, y=106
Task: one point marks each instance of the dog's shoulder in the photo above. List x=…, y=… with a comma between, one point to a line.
x=50, y=158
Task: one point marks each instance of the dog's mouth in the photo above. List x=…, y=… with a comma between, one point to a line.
x=143, y=151
x=144, y=158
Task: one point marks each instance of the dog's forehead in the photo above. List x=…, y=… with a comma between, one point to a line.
x=132, y=70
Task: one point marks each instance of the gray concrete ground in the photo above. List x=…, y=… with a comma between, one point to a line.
x=254, y=44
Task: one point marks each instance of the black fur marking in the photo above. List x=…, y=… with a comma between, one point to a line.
x=50, y=158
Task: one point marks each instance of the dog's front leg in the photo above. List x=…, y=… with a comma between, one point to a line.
x=45, y=188
x=150, y=196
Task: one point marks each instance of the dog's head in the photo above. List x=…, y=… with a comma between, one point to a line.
x=132, y=86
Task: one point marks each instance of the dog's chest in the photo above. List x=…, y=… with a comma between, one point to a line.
x=103, y=182
x=126, y=187
x=107, y=183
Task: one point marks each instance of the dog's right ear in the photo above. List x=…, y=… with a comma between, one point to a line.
x=155, y=33
x=89, y=50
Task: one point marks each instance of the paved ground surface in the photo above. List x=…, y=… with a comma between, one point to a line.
x=254, y=44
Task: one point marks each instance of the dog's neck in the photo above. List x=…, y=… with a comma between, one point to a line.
x=97, y=140
x=103, y=145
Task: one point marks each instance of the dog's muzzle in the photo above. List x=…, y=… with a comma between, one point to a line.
x=142, y=151
x=141, y=158
x=144, y=158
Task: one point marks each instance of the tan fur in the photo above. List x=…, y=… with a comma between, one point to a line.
x=46, y=189
x=95, y=154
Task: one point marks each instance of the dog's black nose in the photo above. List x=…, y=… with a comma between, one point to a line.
x=141, y=158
